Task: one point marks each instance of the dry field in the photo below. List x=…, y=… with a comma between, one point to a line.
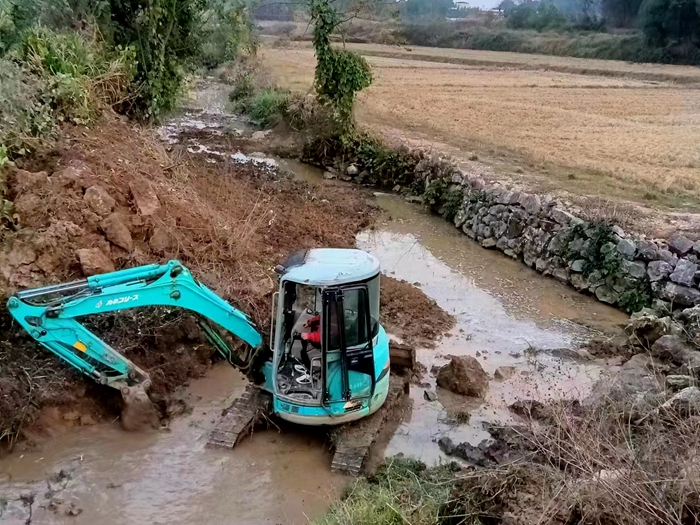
x=595, y=128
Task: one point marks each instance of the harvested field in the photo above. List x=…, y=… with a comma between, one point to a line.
x=586, y=127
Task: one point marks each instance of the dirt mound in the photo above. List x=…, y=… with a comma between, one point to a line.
x=410, y=314
x=110, y=197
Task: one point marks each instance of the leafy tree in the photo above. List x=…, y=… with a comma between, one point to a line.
x=426, y=8
x=540, y=16
x=340, y=73
x=670, y=21
x=506, y=5
x=166, y=36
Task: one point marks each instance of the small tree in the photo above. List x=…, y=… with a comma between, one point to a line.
x=506, y=5
x=166, y=35
x=340, y=73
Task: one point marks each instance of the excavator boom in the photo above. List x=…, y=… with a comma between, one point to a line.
x=50, y=315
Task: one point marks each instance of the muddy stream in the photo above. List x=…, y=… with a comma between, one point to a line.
x=506, y=314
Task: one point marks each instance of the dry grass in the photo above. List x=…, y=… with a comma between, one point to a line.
x=593, y=465
x=584, y=133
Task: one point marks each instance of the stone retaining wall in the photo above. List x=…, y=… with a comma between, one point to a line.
x=620, y=269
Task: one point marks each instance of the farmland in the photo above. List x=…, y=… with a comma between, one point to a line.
x=594, y=128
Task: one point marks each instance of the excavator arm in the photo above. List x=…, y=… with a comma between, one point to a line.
x=50, y=315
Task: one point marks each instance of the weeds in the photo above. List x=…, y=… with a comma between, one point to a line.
x=268, y=106
x=403, y=491
x=593, y=464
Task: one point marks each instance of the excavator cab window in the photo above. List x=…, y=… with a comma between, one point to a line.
x=299, y=373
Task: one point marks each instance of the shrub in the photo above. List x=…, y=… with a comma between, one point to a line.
x=670, y=21
x=80, y=74
x=539, y=16
x=244, y=86
x=268, y=106
x=229, y=35
x=166, y=36
x=25, y=119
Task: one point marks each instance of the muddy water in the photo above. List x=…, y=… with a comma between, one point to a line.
x=169, y=477
x=507, y=316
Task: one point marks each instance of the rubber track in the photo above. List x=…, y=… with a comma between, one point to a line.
x=240, y=419
x=354, y=440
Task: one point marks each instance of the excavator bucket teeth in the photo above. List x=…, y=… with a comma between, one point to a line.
x=354, y=441
x=138, y=411
x=240, y=419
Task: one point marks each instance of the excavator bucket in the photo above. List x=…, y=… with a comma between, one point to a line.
x=138, y=411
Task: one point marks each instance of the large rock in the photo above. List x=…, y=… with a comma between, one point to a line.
x=684, y=273
x=531, y=203
x=99, y=200
x=636, y=269
x=607, y=295
x=658, y=270
x=637, y=375
x=672, y=348
x=26, y=180
x=561, y=216
x=464, y=375
x=93, y=261
x=667, y=256
x=647, y=329
x=647, y=251
x=161, y=241
x=685, y=403
x=117, y=232
x=679, y=244
x=679, y=294
x=22, y=253
x=145, y=197
x=627, y=248
x=466, y=451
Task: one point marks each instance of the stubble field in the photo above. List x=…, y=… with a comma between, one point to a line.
x=585, y=127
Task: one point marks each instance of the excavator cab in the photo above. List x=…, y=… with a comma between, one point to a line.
x=330, y=354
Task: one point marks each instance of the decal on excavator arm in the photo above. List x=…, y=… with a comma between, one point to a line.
x=118, y=300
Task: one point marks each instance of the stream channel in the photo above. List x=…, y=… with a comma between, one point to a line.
x=503, y=311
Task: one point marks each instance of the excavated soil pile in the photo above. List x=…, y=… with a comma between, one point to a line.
x=410, y=314
x=110, y=198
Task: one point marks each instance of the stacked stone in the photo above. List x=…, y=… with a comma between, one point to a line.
x=555, y=242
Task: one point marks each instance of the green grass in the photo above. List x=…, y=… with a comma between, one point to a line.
x=266, y=107
x=403, y=491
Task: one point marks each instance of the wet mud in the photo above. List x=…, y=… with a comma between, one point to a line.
x=169, y=477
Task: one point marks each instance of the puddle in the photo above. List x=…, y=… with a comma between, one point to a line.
x=501, y=309
x=118, y=478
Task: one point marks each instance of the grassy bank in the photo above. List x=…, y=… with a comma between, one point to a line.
x=605, y=463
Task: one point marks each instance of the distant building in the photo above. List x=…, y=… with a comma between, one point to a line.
x=462, y=5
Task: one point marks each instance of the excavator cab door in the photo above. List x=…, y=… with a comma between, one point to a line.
x=347, y=345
